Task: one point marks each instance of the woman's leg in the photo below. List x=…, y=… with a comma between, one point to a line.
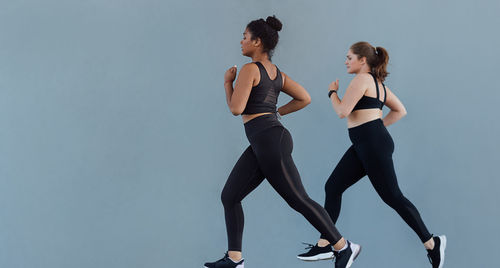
x=348, y=171
x=378, y=163
x=273, y=150
x=244, y=178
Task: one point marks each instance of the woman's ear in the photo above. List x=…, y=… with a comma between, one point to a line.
x=362, y=60
x=257, y=42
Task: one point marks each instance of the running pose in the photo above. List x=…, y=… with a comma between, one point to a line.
x=254, y=96
x=372, y=147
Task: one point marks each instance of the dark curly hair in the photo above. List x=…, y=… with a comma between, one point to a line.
x=267, y=30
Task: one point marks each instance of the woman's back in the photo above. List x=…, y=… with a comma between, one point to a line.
x=373, y=99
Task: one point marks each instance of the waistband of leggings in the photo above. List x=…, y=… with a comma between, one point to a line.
x=261, y=123
x=366, y=128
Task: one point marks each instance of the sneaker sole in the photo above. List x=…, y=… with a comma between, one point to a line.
x=319, y=257
x=356, y=250
x=237, y=266
x=441, y=249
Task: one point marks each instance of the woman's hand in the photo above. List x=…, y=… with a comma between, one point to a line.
x=334, y=85
x=230, y=75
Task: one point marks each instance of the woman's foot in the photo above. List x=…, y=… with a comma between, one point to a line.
x=345, y=257
x=225, y=262
x=436, y=255
x=317, y=253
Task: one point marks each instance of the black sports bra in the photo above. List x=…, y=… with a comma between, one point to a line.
x=264, y=96
x=370, y=102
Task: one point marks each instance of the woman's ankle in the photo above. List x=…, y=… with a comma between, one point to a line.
x=341, y=244
x=234, y=255
x=429, y=244
x=323, y=242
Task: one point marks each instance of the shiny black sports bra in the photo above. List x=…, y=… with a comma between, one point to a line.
x=264, y=96
x=370, y=102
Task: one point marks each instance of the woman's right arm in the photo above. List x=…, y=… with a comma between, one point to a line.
x=237, y=98
x=397, y=109
x=357, y=87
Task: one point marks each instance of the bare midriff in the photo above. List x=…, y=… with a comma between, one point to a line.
x=360, y=117
x=248, y=117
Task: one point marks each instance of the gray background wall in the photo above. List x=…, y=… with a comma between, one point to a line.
x=115, y=140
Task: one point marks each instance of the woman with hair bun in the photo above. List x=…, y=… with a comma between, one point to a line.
x=254, y=96
x=372, y=147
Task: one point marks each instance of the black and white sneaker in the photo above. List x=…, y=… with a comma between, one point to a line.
x=225, y=262
x=316, y=253
x=436, y=255
x=346, y=257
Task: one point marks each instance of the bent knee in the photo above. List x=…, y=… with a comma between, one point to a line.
x=333, y=188
x=228, y=198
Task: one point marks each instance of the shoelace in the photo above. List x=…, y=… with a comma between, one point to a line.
x=226, y=256
x=430, y=259
x=309, y=246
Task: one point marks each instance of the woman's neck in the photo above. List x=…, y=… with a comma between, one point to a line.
x=363, y=70
x=260, y=57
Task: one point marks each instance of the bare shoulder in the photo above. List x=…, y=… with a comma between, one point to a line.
x=389, y=93
x=284, y=75
x=249, y=72
x=249, y=67
x=361, y=82
x=362, y=78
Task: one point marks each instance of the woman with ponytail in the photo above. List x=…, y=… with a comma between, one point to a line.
x=254, y=95
x=372, y=147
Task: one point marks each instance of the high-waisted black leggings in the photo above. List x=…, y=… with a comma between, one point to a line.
x=371, y=154
x=269, y=156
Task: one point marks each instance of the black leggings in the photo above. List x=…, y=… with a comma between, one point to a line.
x=371, y=154
x=269, y=156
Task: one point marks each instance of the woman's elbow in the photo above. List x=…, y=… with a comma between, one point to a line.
x=304, y=101
x=403, y=112
x=307, y=100
x=342, y=113
x=236, y=110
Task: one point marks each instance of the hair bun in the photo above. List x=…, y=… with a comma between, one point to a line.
x=274, y=23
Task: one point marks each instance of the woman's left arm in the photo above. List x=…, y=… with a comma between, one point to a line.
x=398, y=110
x=299, y=94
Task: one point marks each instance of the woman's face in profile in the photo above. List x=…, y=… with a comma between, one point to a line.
x=353, y=63
x=247, y=44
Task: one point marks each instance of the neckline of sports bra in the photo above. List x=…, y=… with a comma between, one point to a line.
x=277, y=70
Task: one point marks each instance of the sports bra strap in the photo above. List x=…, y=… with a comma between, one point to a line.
x=385, y=95
x=376, y=84
x=260, y=66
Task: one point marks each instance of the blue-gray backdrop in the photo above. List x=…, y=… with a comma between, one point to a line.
x=115, y=139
